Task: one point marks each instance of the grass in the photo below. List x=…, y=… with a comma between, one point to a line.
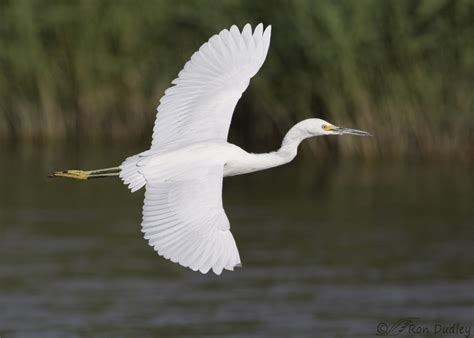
x=93, y=71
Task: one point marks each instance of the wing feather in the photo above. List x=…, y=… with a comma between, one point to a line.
x=199, y=105
x=184, y=221
x=183, y=217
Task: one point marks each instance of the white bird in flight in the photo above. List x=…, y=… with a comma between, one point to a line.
x=182, y=172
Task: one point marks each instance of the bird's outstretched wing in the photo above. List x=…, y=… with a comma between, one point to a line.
x=199, y=106
x=183, y=219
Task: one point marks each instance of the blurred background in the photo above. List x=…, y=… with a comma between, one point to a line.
x=95, y=70
x=356, y=231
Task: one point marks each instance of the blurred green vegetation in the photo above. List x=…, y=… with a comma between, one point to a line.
x=87, y=71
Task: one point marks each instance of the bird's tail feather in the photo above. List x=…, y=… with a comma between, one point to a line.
x=129, y=172
x=87, y=175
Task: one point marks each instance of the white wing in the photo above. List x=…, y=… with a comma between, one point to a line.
x=199, y=106
x=183, y=219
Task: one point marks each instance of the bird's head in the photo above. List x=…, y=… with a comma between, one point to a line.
x=318, y=127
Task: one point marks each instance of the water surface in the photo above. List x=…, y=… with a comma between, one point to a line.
x=327, y=250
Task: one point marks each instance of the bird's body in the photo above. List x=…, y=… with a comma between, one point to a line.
x=182, y=172
x=233, y=159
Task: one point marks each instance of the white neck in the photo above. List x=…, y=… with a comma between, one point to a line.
x=291, y=141
x=286, y=153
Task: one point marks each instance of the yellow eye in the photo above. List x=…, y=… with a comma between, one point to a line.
x=325, y=127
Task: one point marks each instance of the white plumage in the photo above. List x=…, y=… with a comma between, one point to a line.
x=183, y=216
x=199, y=106
x=185, y=222
x=182, y=172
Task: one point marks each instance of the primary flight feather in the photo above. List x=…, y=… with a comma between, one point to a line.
x=182, y=172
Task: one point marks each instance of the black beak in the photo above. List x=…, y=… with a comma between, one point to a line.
x=348, y=131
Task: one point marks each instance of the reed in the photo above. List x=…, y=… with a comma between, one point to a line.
x=93, y=71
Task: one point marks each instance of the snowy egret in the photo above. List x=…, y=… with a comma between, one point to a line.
x=182, y=172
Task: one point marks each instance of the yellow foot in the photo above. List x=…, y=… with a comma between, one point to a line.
x=74, y=174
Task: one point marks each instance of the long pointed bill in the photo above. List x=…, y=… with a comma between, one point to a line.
x=348, y=131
